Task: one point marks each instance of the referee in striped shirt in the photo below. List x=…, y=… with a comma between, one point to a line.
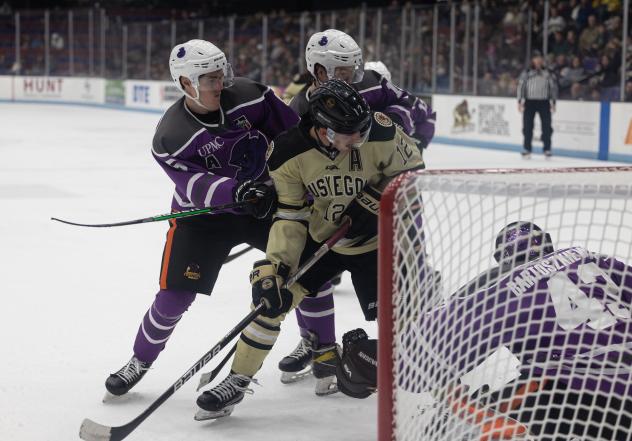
x=537, y=92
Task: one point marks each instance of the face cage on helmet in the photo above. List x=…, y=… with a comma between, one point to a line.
x=356, y=77
x=229, y=78
x=345, y=137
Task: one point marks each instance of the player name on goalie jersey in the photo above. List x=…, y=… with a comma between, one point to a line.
x=566, y=315
x=299, y=165
x=528, y=277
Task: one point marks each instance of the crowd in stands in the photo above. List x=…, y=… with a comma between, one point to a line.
x=584, y=44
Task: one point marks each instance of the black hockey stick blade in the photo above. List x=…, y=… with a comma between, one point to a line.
x=91, y=431
x=207, y=377
x=238, y=254
x=161, y=217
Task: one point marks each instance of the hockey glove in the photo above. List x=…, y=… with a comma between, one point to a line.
x=363, y=212
x=264, y=198
x=266, y=284
x=357, y=372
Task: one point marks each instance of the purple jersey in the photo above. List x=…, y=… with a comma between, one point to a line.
x=411, y=113
x=206, y=161
x=251, y=105
x=564, y=316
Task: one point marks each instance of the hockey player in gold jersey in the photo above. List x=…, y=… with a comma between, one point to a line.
x=343, y=155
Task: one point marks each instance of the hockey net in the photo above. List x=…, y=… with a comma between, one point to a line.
x=488, y=370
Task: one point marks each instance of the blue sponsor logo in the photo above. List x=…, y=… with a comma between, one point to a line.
x=140, y=94
x=323, y=41
x=181, y=53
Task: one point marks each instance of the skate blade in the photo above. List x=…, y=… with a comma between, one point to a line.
x=326, y=386
x=293, y=377
x=205, y=415
x=110, y=398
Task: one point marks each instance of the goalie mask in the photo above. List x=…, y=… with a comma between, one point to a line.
x=341, y=109
x=338, y=53
x=194, y=59
x=521, y=242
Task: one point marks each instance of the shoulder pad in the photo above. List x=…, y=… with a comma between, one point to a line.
x=286, y=146
x=370, y=79
x=174, y=129
x=243, y=91
x=382, y=128
x=299, y=102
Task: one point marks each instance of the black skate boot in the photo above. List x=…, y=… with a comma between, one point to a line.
x=324, y=362
x=298, y=364
x=221, y=399
x=126, y=378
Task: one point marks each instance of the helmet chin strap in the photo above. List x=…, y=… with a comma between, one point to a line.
x=196, y=99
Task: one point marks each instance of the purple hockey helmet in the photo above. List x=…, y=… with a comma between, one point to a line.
x=520, y=242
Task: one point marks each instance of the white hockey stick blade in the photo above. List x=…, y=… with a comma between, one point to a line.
x=204, y=380
x=294, y=377
x=91, y=431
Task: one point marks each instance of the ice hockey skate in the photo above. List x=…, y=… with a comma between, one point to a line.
x=120, y=382
x=298, y=364
x=324, y=362
x=220, y=401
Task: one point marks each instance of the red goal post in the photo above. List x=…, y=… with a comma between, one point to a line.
x=559, y=197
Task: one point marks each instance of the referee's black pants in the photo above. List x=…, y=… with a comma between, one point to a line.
x=542, y=107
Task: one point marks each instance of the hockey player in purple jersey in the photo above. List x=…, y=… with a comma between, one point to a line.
x=212, y=143
x=538, y=348
x=334, y=54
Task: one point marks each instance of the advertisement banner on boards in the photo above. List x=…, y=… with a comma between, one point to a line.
x=115, y=92
x=155, y=95
x=498, y=121
x=6, y=88
x=621, y=129
x=60, y=89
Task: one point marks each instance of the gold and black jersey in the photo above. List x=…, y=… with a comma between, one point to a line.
x=299, y=166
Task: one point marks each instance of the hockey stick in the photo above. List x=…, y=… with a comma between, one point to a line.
x=91, y=431
x=161, y=217
x=210, y=376
x=207, y=377
x=238, y=254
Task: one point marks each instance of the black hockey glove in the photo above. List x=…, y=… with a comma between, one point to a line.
x=363, y=212
x=265, y=198
x=266, y=284
x=356, y=374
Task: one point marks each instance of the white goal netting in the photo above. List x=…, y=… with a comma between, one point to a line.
x=505, y=305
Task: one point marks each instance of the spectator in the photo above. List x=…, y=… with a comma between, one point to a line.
x=584, y=11
x=573, y=73
x=595, y=95
x=608, y=73
x=486, y=85
x=576, y=92
x=556, y=21
x=560, y=45
x=571, y=39
x=590, y=36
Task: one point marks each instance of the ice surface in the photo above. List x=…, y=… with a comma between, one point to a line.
x=73, y=297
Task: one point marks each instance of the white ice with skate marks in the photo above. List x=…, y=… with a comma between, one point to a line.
x=73, y=298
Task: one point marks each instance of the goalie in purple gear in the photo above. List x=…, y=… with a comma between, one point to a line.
x=538, y=347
